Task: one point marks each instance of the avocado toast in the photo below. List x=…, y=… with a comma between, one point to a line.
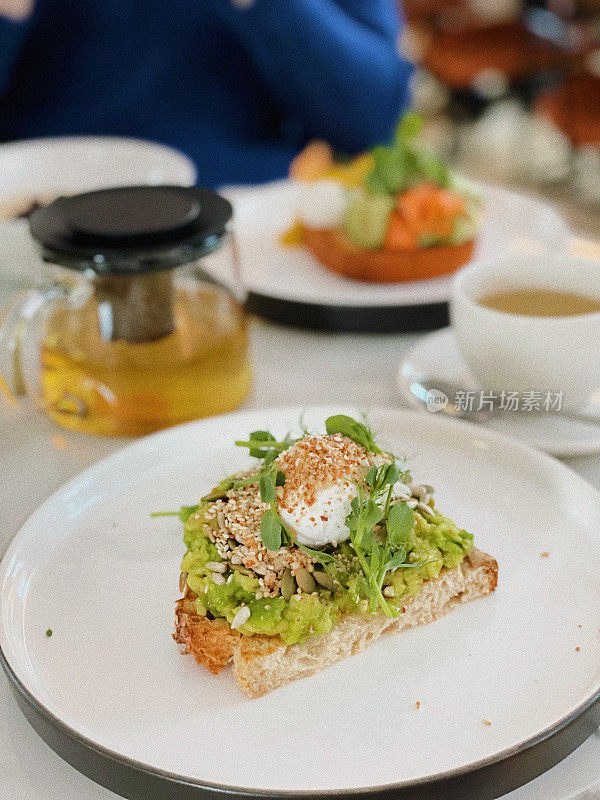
x=322, y=547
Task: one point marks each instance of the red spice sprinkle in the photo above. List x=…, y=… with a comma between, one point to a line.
x=317, y=462
x=418, y=705
x=577, y=649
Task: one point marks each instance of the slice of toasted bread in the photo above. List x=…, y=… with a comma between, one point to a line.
x=337, y=253
x=263, y=663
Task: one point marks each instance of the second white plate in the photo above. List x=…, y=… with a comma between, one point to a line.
x=289, y=285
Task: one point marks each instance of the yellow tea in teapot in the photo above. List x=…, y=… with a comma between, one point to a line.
x=128, y=388
x=130, y=334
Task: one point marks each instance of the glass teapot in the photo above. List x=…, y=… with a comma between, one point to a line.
x=130, y=335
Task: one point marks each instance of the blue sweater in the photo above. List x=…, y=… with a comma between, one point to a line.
x=239, y=90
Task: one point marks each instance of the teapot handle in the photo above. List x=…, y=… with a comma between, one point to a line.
x=15, y=324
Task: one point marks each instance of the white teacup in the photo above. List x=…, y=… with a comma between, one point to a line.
x=514, y=352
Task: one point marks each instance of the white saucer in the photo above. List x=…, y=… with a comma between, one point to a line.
x=437, y=356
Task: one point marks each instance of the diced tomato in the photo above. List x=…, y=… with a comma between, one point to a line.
x=399, y=235
x=430, y=211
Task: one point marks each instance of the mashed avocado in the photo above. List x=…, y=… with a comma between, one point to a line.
x=433, y=544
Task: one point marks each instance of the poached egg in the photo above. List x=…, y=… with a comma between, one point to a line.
x=321, y=473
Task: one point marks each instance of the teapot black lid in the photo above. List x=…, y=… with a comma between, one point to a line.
x=131, y=229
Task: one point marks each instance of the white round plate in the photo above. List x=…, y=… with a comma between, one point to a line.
x=437, y=356
x=20, y=257
x=93, y=566
x=34, y=168
x=512, y=222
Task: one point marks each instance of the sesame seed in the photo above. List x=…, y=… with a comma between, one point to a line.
x=238, y=540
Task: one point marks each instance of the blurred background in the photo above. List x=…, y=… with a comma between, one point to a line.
x=510, y=88
x=511, y=93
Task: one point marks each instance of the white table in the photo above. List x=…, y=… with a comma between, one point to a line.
x=291, y=367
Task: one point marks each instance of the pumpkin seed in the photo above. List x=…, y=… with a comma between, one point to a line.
x=288, y=585
x=305, y=581
x=218, y=493
x=213, y=523
x=418, y=490
x=323, y=579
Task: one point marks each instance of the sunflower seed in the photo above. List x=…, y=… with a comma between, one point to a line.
x=216, y=566
x=388, y=591
x=401, y=490
x=305, y=580
x=242, y=616
x=323, y=579
x=288, y=585
x=412, y=503
x=218, y=578
x=425, y=508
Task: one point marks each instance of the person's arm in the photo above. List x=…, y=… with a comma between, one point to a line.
x=333, y=64
x=14, y=19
